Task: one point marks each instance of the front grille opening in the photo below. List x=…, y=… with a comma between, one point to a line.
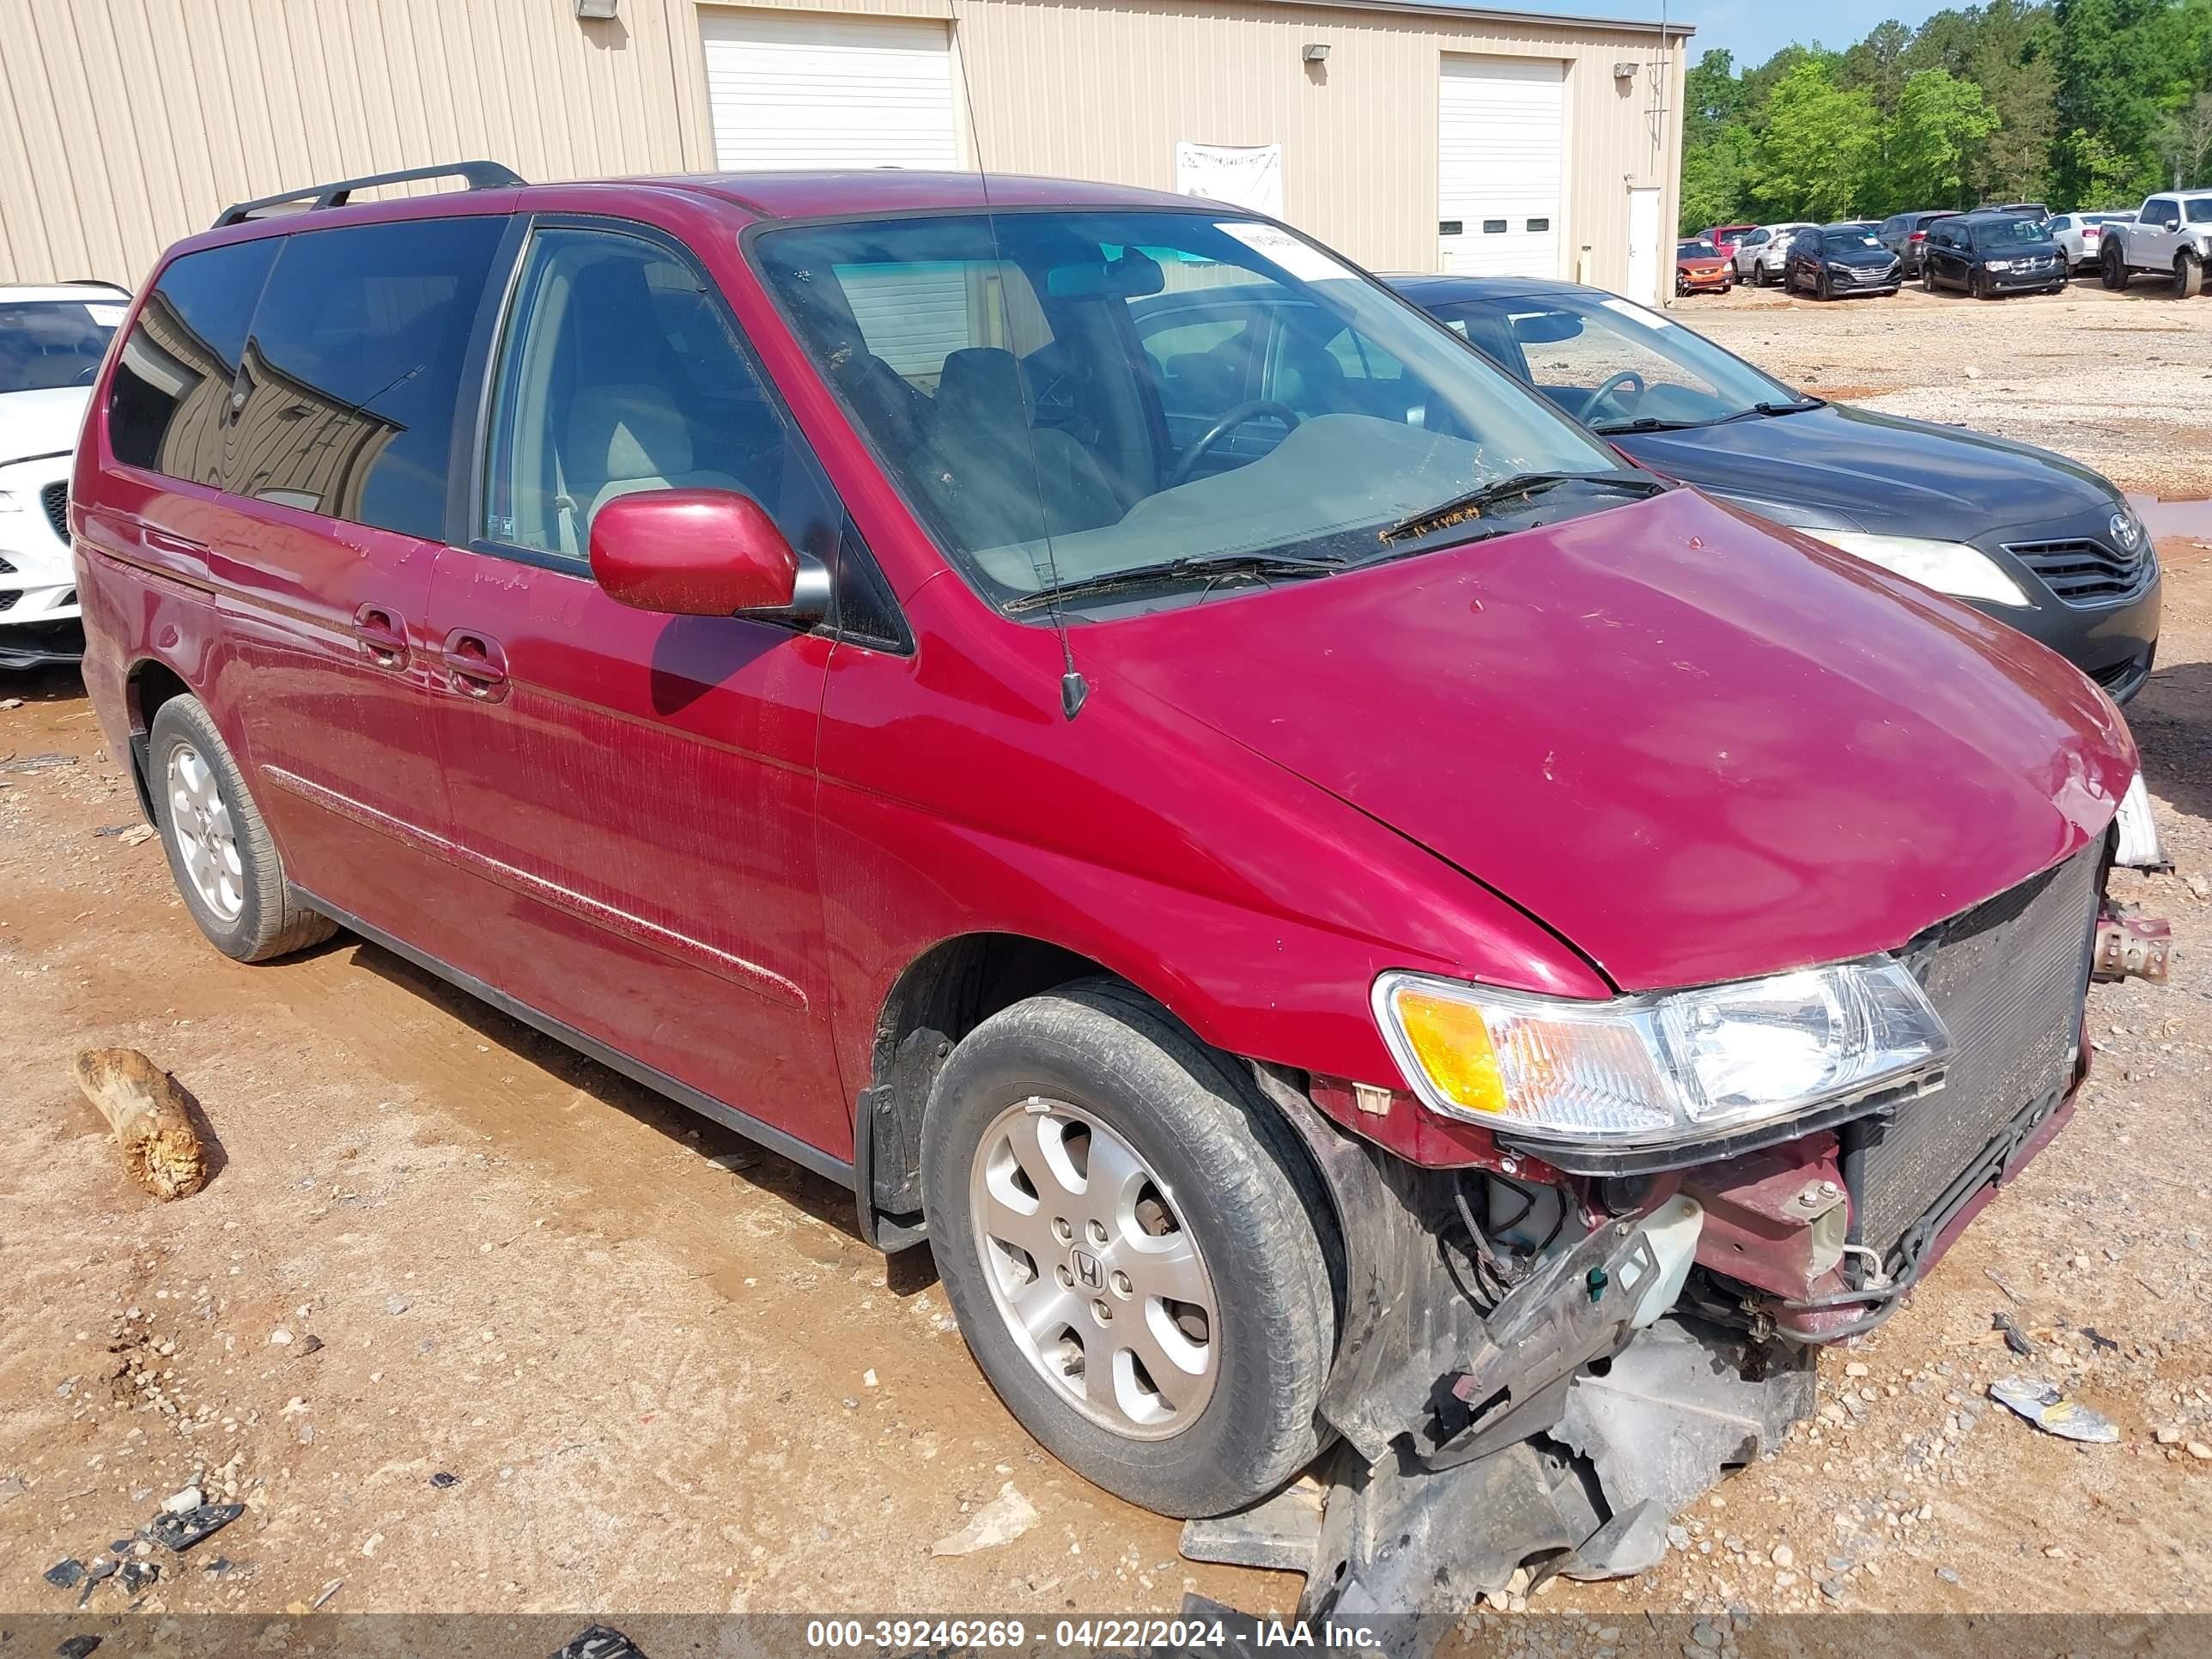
x=55, y=498
x=2085, y=572
x=2009, y=977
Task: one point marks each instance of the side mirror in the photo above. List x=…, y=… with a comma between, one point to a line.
x=703, y=553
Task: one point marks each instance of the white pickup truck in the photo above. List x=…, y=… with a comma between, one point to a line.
x=2173, y=235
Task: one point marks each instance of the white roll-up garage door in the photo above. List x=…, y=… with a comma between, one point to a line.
x=1500, y=134
x=817, y=90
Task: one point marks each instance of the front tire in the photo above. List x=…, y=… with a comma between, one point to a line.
x=1136, y=1248
x=2188, y=276
x=220, y=852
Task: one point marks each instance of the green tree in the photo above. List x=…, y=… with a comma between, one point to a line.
x=2010, y=57
x=2111, y=71
x=2184, y=141
x=1941, y=126
x=1811, y=160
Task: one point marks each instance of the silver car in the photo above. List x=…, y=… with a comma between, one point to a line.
x=1761, y=254
x=2081, y=235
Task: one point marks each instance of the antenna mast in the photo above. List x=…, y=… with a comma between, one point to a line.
x=1074, y=689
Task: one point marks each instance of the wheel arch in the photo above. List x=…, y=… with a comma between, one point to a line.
x=149, y=684
x=937, y=999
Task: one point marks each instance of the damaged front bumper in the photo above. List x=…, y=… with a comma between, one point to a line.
x=1561, y=1426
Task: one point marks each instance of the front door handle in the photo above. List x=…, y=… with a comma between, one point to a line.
x=475, y=665
x=382, y=632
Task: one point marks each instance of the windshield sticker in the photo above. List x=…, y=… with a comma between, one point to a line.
x=1302, y=260
x=1636, y=314
x=107, y=316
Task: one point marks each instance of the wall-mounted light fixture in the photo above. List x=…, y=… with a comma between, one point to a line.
x=1316, y=51
x=1624, y=69
x=597, y=10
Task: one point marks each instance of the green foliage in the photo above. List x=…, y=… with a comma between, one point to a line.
x=1940, y=130
x=2081, y=103
x=1818, y=142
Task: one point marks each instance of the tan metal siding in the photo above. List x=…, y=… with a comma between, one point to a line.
x=126, y=123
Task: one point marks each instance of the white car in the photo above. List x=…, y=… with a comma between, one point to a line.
x=2081, y=234
x=52, y=340
x=1761, y=254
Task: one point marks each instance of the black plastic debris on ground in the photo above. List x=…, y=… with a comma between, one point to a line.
x=599, y=1642
x=66, y=1574
x=444, y=1478
x=138, y=1576
x=2015, y=1339
x=182, y=1532
x=76, y=1647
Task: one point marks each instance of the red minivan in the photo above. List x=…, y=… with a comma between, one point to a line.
x=1344, y=913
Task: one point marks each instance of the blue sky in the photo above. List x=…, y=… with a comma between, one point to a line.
x=1755, y=29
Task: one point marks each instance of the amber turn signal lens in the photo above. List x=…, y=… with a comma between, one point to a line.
x=1449, y=1038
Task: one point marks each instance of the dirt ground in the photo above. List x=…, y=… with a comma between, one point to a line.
x=665, y=1376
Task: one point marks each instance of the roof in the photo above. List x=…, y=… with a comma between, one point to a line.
x=1519, y=20
x=33, y=293
x=841, y=194
x=1421, y=286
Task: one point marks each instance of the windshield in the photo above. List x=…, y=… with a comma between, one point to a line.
x=1696, y=251
x=2199, y=212
x=1610, y=363
x=1843, y=241
x=1065, y=395
x=46, y=344
x=2009, y=232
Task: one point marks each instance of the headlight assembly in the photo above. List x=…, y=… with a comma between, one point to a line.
x=1587, y=1082
x=1953, y=567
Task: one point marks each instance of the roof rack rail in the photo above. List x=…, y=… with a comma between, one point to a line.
x=478, y=175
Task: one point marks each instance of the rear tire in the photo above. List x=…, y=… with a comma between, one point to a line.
x=1093, y=1070
x=1927, y=277
x=2111, y=268
x=220, y=854
x=2188, y=276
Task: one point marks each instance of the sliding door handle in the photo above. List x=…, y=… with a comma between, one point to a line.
x=475, y=665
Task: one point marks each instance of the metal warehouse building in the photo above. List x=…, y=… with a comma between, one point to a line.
x=1412, y=136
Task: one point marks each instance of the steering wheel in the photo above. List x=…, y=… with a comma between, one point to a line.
x=1627, y=378
x=1259, y=408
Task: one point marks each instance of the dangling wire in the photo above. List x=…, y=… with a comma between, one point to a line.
x=1074, y=689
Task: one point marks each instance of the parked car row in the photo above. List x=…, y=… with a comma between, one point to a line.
x=2003, y=248
x=1262, y=820
x=52, y=338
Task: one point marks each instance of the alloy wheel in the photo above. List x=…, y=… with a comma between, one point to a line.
x=1090, y=1263
x=208, y=841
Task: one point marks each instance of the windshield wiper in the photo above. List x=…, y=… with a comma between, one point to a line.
x=1470, y=505
x=1644, y=423
x=1208, y=566
x=1771, y=408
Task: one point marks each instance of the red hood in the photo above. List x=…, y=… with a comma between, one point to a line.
x=1699, y=748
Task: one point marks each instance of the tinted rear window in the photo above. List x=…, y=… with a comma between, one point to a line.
x=170, y=390
x=353, y=370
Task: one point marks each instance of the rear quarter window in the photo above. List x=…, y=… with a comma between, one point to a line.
x=169, y=396
x=352, y=371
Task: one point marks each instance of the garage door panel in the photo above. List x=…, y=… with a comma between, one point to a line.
x=816, y=90
x=1500, y=145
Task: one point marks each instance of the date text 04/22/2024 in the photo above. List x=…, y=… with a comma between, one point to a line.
x=1094, y=1635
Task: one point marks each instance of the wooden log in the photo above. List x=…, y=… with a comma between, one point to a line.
x=149, y=1112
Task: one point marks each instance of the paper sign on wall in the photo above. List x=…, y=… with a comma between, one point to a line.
x=1242, y=175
